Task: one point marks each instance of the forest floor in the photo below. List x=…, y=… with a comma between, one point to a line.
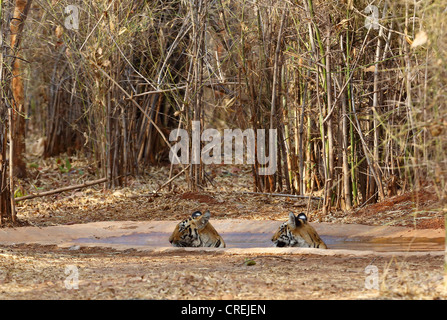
x=225, y=196
x=38, y=272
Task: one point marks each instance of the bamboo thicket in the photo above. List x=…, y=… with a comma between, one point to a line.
x=354, y=98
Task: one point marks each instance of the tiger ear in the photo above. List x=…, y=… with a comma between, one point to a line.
x=203, y=220
x=303, y=217
x=292, y=220
x=196, y=214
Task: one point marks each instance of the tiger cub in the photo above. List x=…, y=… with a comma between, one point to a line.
x=297, y=232
x=196, y=231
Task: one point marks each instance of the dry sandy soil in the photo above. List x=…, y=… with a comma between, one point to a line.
x=38, y=272
x=35, y=272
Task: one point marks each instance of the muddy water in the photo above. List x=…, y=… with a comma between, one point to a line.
x=262, y=240
x=386, y=244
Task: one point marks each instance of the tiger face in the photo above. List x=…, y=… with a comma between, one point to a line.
x=297, y=232
x=196, y=231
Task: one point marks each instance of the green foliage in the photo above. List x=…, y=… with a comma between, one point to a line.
x=64, y=167
x=19, y=192
x=249, y=262
x=33, y=165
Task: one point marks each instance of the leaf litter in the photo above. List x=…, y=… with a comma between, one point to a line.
x=224, y=196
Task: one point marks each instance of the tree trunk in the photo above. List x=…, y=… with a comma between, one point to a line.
x=21, y=9
x=5, y=201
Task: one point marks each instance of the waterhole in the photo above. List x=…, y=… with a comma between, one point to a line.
x=263, y=240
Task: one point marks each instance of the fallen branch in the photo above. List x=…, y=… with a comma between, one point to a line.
x=284, y=195
x=174, y=177
x=134, y=196
x=48, y=193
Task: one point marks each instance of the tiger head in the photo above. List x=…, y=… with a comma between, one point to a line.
x=196, y=231
x=297, y=232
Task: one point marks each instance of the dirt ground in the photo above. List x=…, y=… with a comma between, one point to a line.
x=40, y=272
x=36, y=272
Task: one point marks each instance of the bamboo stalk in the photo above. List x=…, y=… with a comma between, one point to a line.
x=345, y=164
x=374, y=109
x=275, y=71
x=330, y=148
x=300, y=143
x=350, y=102
x=288, y=156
